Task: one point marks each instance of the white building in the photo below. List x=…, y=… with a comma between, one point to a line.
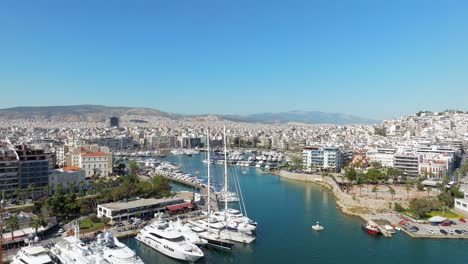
x=322, y=158
x=94, y=164
x=66, y=176
x=462, y=204
x=120, y=211
x=383, y=156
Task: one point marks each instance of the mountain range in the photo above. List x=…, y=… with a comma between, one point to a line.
x=102, y=113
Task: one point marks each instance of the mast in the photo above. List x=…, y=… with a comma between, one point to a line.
x=225, y=176
x=208, y=163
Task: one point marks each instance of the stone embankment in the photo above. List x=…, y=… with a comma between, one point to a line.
x=350, y=204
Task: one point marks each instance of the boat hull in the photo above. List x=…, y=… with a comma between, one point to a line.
x=168, y=251
x=370, y=231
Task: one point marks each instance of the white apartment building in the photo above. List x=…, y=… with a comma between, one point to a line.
x=322, y=158
x=94, y=164
x=383, y=156
x=66, y=176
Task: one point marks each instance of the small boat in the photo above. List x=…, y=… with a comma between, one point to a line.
x=317, y=227
x=371, y=227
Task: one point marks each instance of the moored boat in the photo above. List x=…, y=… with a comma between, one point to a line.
x=371, y=227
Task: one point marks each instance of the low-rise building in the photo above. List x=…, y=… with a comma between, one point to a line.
x=121, y=211
x=462, y=204
x=66, y=177
x=94, y=164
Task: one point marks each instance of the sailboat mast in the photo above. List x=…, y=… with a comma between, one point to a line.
x=208, y=162
x=225, y=176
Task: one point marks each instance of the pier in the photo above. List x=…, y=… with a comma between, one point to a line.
x=183, y=182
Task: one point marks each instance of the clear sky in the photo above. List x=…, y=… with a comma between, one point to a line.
x=376, y=59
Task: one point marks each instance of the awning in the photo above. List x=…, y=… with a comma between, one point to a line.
x=177, y=207
x=436, y=219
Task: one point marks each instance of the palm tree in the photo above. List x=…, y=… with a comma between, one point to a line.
x=12, y=224
x=31, y=189
x=47, y=189
x=81, y=185
x=360, y=188
x=408, y=188
x=37, y=223
x=392, y=192
x=428, y=191
x=374, y=190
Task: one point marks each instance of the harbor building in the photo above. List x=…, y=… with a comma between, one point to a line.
x=328, y=158
x=34, y=166
x=94, y=164
x=66, y=177
x=121, y=211
x=9, y=169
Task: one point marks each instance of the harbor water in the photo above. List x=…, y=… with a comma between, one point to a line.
x=286, y=210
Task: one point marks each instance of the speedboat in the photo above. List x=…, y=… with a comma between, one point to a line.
x=317, y=227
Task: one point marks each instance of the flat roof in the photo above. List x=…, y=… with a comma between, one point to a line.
x=138, y=203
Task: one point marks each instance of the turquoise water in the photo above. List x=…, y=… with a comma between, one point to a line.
x=285, y=211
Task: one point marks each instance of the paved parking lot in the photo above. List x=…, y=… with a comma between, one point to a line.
x=425, y=230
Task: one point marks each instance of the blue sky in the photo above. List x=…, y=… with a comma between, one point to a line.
x=376, y=59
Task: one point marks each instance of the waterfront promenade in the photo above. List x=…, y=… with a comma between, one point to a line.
x=368, y=208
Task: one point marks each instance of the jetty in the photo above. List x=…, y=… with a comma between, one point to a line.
x=183, y=182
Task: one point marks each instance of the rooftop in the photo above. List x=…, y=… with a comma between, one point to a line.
x=94, y=154
x=139, y=203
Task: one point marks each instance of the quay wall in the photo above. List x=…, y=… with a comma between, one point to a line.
x=348, y=203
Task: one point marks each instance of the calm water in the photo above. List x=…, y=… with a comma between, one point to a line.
x=285, y=211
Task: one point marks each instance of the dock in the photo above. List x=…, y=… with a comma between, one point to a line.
x=183, y=182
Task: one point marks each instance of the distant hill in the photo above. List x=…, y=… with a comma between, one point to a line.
x=75, y=113
x=79, y=112
x=308, y=117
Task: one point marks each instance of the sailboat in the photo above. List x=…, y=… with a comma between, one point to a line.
x=210, y=228
x=232, y=232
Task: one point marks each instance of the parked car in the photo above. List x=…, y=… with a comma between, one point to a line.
x=462, y=220
x=443, y=231
x=458, y=232
x=446, y=223
x=430, y=231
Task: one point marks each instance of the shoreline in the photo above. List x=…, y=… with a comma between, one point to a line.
x=353, y=209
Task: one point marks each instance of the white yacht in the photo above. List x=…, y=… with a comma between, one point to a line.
x=168, y=241
x=106, y=250
x=32, y=255
x=188, y=233
x=228, y=197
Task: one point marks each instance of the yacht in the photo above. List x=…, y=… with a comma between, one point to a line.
x=188, y=233
x=228, y=197
x=32, y=255
x=168, y=241
x=105, y=250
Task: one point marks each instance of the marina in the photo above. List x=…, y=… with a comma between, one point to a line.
x=305, y=204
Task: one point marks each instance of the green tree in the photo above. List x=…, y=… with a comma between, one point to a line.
x=12, y=224
x=374, y=190
x=134, y=168
x=408, y=188
x=350, y=173
x=31, y=189
x=38, y=222
x=398, y=208
x=392, y=192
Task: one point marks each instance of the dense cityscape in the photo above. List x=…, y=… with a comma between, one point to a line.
x=81, y=175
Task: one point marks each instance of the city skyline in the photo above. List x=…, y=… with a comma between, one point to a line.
x=372, y=60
